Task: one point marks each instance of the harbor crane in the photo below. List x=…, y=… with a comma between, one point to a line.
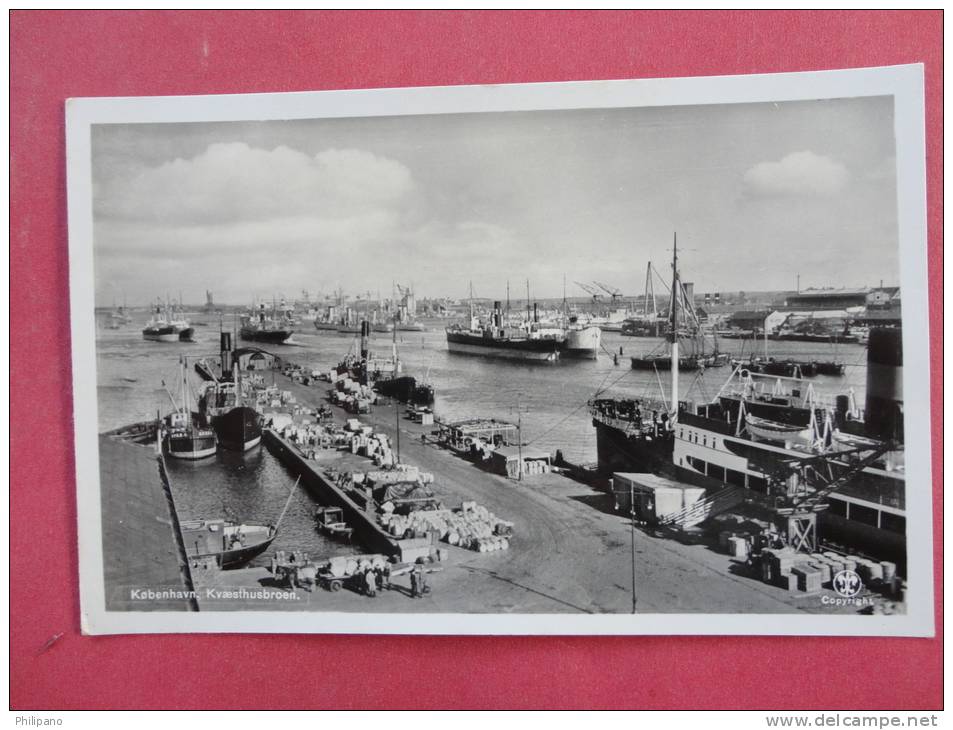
x=612, y=291
x=589, y=290
x=805, y=484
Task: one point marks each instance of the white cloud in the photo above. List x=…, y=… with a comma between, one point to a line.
x=799, y=173
x=233, y=181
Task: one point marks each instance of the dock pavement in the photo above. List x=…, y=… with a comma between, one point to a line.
x=570, y=551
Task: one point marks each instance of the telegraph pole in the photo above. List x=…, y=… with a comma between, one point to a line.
x=632, y=521
x=519, y=437
x=397, y=424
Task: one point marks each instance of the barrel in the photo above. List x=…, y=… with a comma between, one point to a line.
x=889, y=570
x=884, y=405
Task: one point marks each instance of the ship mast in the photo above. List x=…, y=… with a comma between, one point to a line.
x=186, y=403
x=674, y=325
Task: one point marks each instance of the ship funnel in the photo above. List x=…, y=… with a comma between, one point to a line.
x=365, y=332
x=225, y=347
x=497, y=317
x=535, y=312
x=884, y=405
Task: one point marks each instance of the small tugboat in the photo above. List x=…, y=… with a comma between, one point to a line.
x=181, y=435
x=228, y=544
x=331, y=521
x=390, y=383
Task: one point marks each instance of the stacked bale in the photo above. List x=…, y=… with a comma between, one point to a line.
x=472, y=526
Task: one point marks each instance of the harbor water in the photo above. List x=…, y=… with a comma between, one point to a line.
x=549, y=399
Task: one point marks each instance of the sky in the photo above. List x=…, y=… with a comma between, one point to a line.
x=757, y=193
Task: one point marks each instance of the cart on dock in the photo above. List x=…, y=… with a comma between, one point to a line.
x=293, y=569
x=365, y=574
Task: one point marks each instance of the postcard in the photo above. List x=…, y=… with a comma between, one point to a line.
x=603, y=357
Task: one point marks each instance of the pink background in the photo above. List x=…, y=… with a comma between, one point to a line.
x=56, y=55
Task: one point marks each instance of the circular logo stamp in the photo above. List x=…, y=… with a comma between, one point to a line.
x=847, y=583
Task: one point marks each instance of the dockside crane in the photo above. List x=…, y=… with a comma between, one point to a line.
x=593, y=292
x=612, y=291
x=801, y=488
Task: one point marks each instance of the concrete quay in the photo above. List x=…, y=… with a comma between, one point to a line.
x=141, y=539
x=569, y=553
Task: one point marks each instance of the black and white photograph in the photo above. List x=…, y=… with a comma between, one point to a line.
x=593, y=357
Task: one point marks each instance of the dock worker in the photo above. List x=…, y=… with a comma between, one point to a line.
x=371, y=581
x=418, y=581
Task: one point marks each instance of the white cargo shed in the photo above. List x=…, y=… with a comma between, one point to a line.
x=655, y=497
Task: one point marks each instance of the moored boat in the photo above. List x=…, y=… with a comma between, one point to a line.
x=331, y=521
x=582, y=341
x=225, y=407
x=261, y=328
x=226, y=543
x=182, y=435
x=530, y=341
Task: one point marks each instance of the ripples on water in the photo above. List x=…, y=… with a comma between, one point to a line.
x=550, y=398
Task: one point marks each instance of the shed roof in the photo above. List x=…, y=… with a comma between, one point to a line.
x=652, y=482
x=513, y=452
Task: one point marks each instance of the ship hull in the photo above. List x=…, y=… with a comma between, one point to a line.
x=620, y=452
x=583, y=343
x=405, y=389
x=160, y=334
x=506, y=352
x=238, y=429
x=237, y=558
x=168, y=333
x=190, y=447
x=273, y=337
x=791, y=337
x=195, y=535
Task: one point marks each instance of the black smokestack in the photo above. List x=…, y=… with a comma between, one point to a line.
x=497, y=317
x=365, y=332
x=225, y=350
x=535, y=312
x=883, y=415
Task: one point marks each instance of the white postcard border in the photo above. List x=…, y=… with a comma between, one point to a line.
x=904, y=83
